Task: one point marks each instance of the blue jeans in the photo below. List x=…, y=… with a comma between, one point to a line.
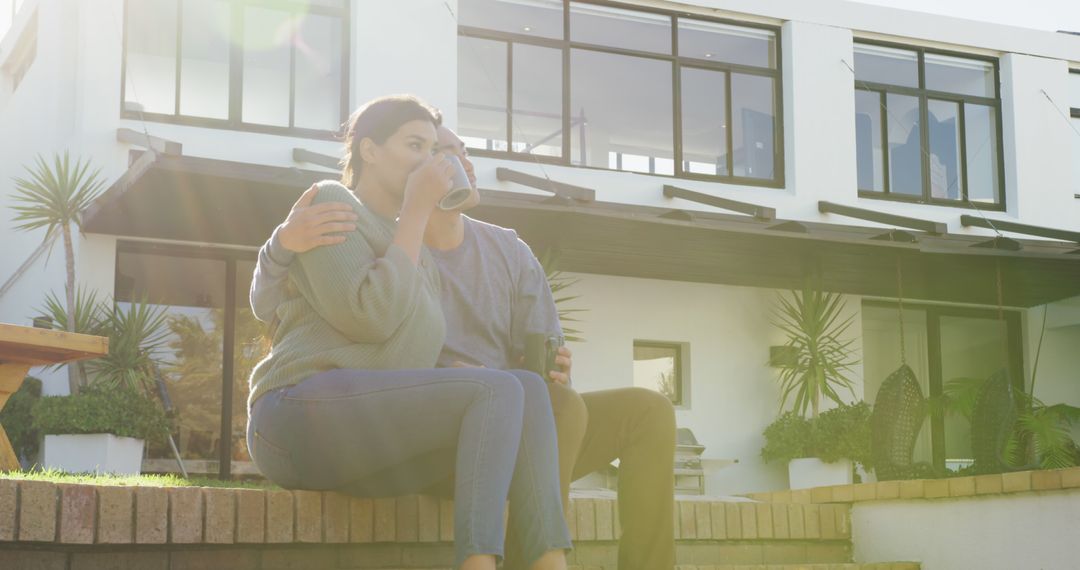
x=380, y=433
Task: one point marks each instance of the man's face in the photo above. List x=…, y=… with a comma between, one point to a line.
x=450, y=143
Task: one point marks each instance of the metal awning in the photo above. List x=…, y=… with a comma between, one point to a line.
x=214, y=201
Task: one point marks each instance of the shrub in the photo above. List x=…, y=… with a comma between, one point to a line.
x=840, y=433
x=17, y=421
x=787, y=438
x=844, y=433
x=121, y=411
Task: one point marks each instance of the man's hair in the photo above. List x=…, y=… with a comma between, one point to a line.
x=377, y=120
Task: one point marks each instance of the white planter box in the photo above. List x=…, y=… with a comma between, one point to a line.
x=809, y=472
x=93, y=453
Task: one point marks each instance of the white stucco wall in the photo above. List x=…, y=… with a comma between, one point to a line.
x=733, y=392
x=1006, y=532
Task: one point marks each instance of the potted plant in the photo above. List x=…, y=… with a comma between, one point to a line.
x=835, y=442
x=815, y=366
x=104, y=427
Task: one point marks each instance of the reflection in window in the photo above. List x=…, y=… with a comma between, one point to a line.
x=877, y=64
x=625, y=68
x=537, y=99
x=150, y=64
x=318, y=45
x=482, y=93
x=731, y=44
x=957, y=75
x=192, y=290
x=704, y=121
x=615, y=27
x=204, y=64
x=658, y=366
x=960, y=157
x=290, y=56
x=870, y=155
x=905, y=145
x=539, y=18
x=981, y=133
x=624, y=105
x=752, y=112
x=945, y=175
x=266, y=66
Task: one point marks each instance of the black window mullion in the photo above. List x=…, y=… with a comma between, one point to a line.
x=924, y=132
x=883, y=105
x=227, y=353
x=565, y=47
x=123, y=59
x=292, y=74
x=676, y=99
x=962, y=127
x=179, y=58
x=509, y=96
x=729, y=131
x=236, y=66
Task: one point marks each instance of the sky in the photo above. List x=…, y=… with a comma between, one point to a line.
x=1050, y=15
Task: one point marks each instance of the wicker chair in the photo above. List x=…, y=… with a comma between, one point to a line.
x=899, y=411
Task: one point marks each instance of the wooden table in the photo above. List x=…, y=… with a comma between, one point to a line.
x=23, y=347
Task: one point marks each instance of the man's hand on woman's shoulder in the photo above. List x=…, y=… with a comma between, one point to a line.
x=309, y=226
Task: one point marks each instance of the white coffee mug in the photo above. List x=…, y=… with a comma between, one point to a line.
x=461, y=188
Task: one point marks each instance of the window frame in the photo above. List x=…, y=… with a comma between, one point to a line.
x=1074, y=113
x=678, y=62
x=923, y=95
x=231, y=258
x=682, y=390
x=236, y=74
x=1015, y=338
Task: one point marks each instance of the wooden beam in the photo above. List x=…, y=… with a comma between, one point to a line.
x=157, y=144
x=928, y=226
x=312, y=157
x=545, y=184
x=760, y=212
x=1017, y=228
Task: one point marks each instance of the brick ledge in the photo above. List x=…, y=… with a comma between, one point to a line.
x=953, y=487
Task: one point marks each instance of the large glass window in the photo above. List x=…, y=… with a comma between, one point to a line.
x=943, y=346
x=641, y=90
x=200, y=363
x=244, y=64
x=927, y=127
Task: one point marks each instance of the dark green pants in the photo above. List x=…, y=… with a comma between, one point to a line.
x=637, y=426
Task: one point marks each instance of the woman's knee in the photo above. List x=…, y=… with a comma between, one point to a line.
x=535, y=388
x=500, y=385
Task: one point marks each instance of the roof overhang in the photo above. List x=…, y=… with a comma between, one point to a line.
x=204, y=200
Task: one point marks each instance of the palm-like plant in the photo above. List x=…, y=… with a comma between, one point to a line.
x=54, y=197
x=818, y=357
x=558, y=283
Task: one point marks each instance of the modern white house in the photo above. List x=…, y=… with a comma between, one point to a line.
x=685, y=161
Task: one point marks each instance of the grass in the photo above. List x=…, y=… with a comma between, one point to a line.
x=56, y=476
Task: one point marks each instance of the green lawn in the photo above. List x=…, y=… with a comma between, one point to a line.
x=131, y=480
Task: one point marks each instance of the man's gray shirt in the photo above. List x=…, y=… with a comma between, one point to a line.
x=494, y=292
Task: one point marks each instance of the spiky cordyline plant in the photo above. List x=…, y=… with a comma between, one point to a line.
x=558, y=283
x=819, y=359
x=54, y=197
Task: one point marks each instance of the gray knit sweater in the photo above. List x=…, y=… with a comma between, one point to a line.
x=358, y=304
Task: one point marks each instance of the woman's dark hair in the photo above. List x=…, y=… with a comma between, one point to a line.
x=377, y=120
